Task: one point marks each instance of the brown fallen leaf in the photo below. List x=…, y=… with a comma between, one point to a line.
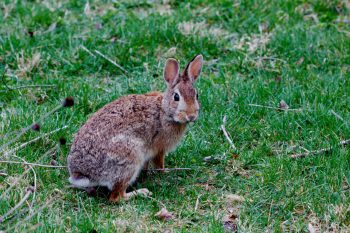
x=263, y=27
x=87, y=10
x=164, y=214
x=311, y=228
x=283, y=105
x=230, y=223
x=311, y=17
x=300, y=61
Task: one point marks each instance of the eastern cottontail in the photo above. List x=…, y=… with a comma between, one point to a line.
x=119, y=139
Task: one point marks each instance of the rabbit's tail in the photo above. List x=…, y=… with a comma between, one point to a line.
x=82, y=183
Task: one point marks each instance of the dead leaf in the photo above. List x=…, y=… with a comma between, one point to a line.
x=235, y=198
x=87, y=10
x=98, y=26
x=304, y=9
x=164, y=9
x=311, y=228
x=263, y=27
x=52, y=27
x=7, y=10
x=27, y=65
x=283, y=105
x=258, y=42
x=171, y=52
x=300, y=61
x=164, y=214
x=230, y=223
x=312, y=17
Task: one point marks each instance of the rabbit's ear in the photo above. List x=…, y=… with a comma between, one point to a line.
x=194, y=67
x=171, y=70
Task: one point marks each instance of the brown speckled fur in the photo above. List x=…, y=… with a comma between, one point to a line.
x=112, y=147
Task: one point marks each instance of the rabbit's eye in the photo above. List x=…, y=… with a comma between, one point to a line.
x=176, y=97
x=197, y=96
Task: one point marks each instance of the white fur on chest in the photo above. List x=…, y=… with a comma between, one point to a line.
x=142, y=153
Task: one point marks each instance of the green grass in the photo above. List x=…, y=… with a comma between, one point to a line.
x=307, y=64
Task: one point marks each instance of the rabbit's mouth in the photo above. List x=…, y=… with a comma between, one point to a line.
x=184, y=118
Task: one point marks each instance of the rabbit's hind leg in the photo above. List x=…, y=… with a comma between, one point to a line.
x=139, y=192
x=119, y=192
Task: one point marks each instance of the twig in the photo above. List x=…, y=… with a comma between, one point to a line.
x=32, y=164
x=170, y=169
x=336, y=115
x=270, y=58
x=3, y=174
x=26, y=86
x=226, y=134
x=197, y=203
x=34, y=140
x=30, y=190
x=88, y=51
x=281, y=109
x=316, y=152
x=111, y=61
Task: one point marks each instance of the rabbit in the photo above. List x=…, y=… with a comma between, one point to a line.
x=118, y=140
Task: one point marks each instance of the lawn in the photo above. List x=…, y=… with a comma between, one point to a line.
x=277, y=71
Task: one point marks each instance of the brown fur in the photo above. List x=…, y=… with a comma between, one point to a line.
x=118, y=140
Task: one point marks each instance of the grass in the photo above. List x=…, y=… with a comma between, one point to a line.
x=256, y=52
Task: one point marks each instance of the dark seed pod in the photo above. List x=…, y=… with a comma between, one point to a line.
x=35, y=127
x=30, y=189
x=62, y=141
x=53, y=162
x=68, y=102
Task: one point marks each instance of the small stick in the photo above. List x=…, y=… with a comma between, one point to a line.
x=316, y=152
x=88, y=51
x=31, y=164
x=110, y=60
x=282, y=109
x=3, y=174
x=197, y=203
x=30, y=190
x=170, y=169
x=27, y=86
x=336, y=115
x=226, y=134
x=270, y=58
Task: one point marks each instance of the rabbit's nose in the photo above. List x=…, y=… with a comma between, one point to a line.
x=191, y=117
